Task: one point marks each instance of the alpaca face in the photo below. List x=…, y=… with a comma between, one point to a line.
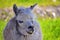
x=25, y=19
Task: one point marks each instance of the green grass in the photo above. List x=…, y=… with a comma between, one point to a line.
x=50, y=28
x=2, y=26
x=8, y=3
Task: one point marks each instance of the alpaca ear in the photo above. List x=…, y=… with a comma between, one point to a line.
x=15, y=9
x=31, y=7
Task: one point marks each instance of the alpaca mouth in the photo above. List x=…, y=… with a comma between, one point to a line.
x=30, y=31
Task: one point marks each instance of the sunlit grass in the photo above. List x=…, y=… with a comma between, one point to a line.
x=50, y=29
x=9, y=3
x=2, y=26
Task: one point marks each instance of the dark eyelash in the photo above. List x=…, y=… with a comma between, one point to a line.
x=20, y=21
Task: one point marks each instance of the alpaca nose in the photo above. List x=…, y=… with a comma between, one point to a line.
x=30, y=27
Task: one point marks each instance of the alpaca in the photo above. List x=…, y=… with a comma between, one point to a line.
x=23, y=25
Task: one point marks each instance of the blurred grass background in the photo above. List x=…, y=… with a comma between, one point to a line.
x=8, y=3
x=50, y=27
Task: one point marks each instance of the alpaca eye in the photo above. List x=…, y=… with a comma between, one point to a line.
x=20, y=21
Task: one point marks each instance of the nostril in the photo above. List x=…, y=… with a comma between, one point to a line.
x=30, y=27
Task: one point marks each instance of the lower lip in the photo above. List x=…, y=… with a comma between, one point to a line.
x=30, y=32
